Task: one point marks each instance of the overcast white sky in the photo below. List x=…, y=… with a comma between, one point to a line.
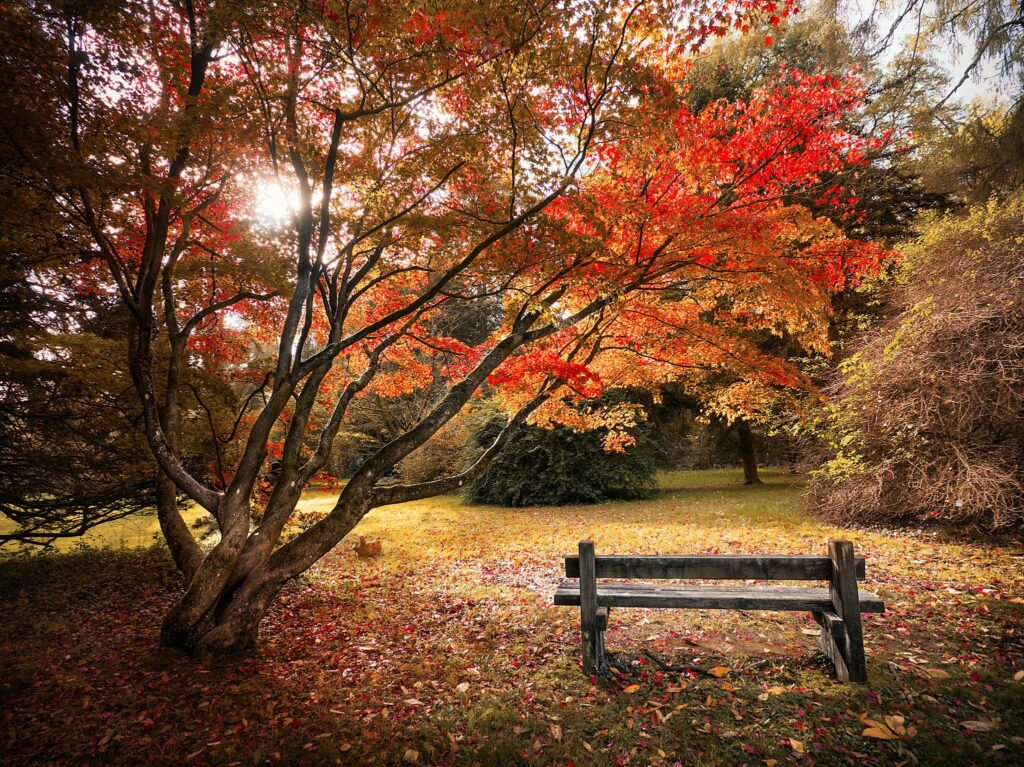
x=986, y=81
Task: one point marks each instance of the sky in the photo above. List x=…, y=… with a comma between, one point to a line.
x=986, y=83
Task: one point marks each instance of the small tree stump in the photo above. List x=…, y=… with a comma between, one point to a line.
x=367, y=548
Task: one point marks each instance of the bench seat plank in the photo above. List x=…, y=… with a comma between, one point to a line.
x=786, y=599
x=713, y=567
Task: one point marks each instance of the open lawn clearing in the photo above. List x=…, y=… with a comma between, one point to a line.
x=446, y=649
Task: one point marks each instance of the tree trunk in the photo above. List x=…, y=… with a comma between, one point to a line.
x=185, y=551
x=224, y=642
x=229, y=630
x=748, y=453
x=219, y=615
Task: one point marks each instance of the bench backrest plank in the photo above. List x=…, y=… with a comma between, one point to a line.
x=713, y=567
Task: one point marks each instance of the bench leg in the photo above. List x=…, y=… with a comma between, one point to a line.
x=846, y=603
x=600, y=661
x=594, y=662
x=833, y=641
x=590, y=635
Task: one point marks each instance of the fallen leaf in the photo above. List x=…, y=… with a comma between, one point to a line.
x=796, y=745
x=411, y=756
x=556, y=732
x=876, y=729
x=771, y=762
x=463, y=687
x=975, y=725
x=719, y=671
x=936, y=673
x=1019, y=676
x=631, y=689
x=897, y=724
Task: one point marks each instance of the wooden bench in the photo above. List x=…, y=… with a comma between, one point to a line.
x=837, y=608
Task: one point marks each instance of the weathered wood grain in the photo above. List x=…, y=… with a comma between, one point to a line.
x=848, y=606
x=587, y=593
x=716, y=567
x=786, y=599
x=833, y=642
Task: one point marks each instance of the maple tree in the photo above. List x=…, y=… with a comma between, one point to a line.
x=540, y=155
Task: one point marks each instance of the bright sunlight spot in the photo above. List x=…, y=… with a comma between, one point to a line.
x=273, y=202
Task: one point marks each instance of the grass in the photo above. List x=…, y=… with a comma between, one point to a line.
x=445, y=649
x=136, y=531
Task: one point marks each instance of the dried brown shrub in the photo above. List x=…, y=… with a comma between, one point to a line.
x=927, y=419
x=452, y=450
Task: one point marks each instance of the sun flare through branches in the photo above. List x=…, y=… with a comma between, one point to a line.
x=304, y=208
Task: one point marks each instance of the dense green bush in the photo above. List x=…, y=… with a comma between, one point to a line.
x=552, y=467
